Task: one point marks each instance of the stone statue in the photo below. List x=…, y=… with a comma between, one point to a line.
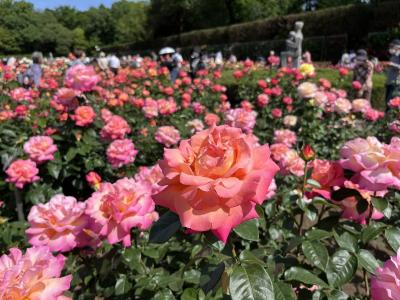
x=294, y=44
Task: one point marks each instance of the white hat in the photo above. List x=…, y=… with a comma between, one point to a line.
x=166, y=50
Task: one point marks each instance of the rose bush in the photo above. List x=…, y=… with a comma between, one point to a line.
x=279, y=185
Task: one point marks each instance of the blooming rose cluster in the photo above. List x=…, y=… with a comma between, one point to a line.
x=385, y=282
x=121, y=152
x=167, y=135
x=115, y=128
x=81, y=78
x=241, y=118
x=40, y=148
x=61, y=224
x=33, y=275
x=117, y=208
x=214, y=180
x=84, y=116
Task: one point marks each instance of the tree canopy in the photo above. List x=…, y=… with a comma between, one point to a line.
x=24, y=29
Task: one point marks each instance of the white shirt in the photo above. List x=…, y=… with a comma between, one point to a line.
x=114, y=62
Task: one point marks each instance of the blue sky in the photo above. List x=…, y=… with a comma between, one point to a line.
x=79, y=4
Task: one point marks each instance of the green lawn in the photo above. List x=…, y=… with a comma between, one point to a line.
x=378, y=94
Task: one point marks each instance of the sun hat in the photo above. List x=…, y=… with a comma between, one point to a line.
x=166, y=50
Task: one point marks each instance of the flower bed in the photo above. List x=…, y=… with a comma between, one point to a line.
x=136, y=188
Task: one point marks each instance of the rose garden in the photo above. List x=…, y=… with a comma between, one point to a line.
x=248, y=180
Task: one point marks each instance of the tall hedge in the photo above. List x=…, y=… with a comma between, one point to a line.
x=353, y=21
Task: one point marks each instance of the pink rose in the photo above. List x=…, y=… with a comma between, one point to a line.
x=361, y=105
x=276, y=113
x=262, y=100
x=21, y=172
x=214, y=180
x=278, y=151
x=211, y=119
x=116, y=128
x=292, y=163
x=385, y=282
x=81, y=78
x=285, y=136
x=93, y=179
x=121, y=152
x=119, y=207
x=150, y=177
x=167, y=135
x=60, y=224
x=241, y=118
x=67, y=98
x=21, y=94
x=195, y=125
x=356, y=85
x=40, y=148
x=150, y=108
x=33, y=275
x=84, y=116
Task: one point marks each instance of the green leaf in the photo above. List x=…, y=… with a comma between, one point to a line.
x=248, y=230
x=347, y=241
x=72, y=152
x=164, y=228
x=314, y=183
x=283, y=291
x=338, y=295
x=250, y=282
x=393, y=237
x=383, y=206
x=371, y=232
x=54, y=169
x=367, y=260
x=189, y=294
x=316, y=253
x=122, y=286
x=132, y=257
x=341, y=268
x=318, y=234
x=164, y=295
x=304, y=276
x=214, y=278
x=247, y=256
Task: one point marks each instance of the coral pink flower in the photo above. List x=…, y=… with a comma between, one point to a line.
x=167, y=135
x=285, y=136
x=60, y=224
x=276, y=113
x=150, y=177
x=106, y=114
x=84, y=116
x=290, y=121
x=343, y=71
x=292, y=163
x=241, y=118
x=21, y=172
x=328, y=174
x=356, y=85
x=278, y=151
x=349, y=205
x=211, y=119
x=214, y=180
x=385, y=284
x=40, y=148
x=395, y=102
x=33, y=275
x=167, y=107
x=67, y=98
x=81, y=78
x=262, y=100
x=121, y=153
x=150, y=108
x=119, y=207
x=21, y=94
x=394, y=126
x=116, y=128
x=373, y=114
x=307, y=90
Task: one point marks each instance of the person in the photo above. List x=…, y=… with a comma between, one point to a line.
x=102, y=61
x=178, y=60
x=363, y=72
x=78, y=57
x=219, y=60
x=33, y=75
x=273, y=60
x=197, y=62
x=393, y=71
x=114, y=63
x=307, y=58
x=167, y=61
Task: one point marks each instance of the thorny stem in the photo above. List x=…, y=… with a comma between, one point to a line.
x=366, y=283
x=19, y=205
